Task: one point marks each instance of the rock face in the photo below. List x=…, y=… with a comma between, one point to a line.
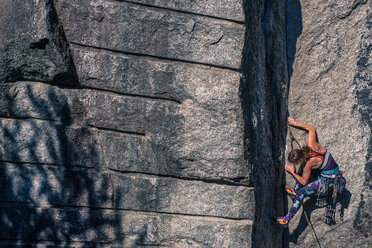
x=162, y=123
x=329, y=58
x=141, y=123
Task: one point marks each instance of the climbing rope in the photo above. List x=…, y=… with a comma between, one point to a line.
x=311, y=225
x=292, y=137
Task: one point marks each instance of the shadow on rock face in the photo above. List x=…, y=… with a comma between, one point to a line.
x=309, y=206
x=293, y=31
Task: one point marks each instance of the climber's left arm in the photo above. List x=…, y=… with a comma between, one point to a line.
x=304, y=179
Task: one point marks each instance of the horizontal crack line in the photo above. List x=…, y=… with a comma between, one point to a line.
x=132, y=173
x=118, y=131
x=154, y=56
x=136, y=96
x=64, y=166
x=82, y=87
x=211, y=181
x=13, y=117
x=9, y=204
x=61, y=124
x=67, y=166
x=129, y=173
x=21, y=241
x=181, y=11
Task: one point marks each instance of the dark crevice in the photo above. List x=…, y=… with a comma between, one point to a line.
x=78, y=87
x=41, y=44
x=13, y=117
x=58, y=37
x=118, y=131
x=49, y=243
x=264, y=93
x=355, y=6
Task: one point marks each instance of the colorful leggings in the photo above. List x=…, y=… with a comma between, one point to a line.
x=301, y=193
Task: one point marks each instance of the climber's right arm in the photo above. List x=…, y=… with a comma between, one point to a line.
x=311, y=141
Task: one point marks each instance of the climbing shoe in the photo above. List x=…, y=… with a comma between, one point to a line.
x=290, y=192
x=281, y=221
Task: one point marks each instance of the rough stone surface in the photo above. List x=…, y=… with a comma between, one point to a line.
x=228, y=9
x=136, y=29
x=329, y=51
x=141, y=123
x=178, y=196
x=156, y=137
x=117, y=228
x=55, y=185
x=32, y=44
x=35, y=141
x=160, y=79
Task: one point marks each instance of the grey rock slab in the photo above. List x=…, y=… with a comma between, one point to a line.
x=206, y=232
x=35, y=141
x=136, y=75
x=171, y=195
x=54, y=185
x=230, y=9
x=127, y=27
x=160, y=137
x=124, y=228
x=84, y=107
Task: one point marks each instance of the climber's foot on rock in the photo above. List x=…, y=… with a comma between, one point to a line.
x=281, y=221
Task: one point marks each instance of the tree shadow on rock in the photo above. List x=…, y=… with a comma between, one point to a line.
x=52, y=188
x=53, y=192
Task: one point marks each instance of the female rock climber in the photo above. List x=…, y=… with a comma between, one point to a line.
x=310, y=157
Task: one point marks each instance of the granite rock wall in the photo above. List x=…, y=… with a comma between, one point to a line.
x=138, y=123
x=329, y=59
x=141, y=123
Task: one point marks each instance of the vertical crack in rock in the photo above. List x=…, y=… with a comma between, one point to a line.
x=264, y=93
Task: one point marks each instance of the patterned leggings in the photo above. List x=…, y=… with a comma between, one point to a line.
x=301, y=193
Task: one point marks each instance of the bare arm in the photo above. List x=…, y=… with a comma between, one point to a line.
x=304, y=179
x=311, y=141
